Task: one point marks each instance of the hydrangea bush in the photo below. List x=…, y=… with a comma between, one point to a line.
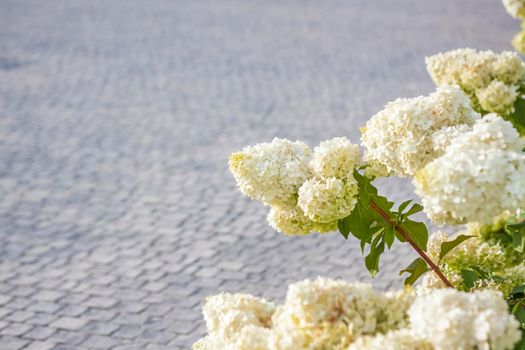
x=461, y=147
x=334, y=314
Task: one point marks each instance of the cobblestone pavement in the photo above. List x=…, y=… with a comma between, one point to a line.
x=117, y=211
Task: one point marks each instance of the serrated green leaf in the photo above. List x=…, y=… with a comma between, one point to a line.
x=344, y=227
x=518, y=292
x=497, y=278
x=399, y=237
x=469, y=278
x=517, y=232
x=481, y=272
x=368, y=191
x=403, y=206
x=415, y=270
x=373, y=228
x=418, y=232
x=390, y=234
x=362, y=244
x=416, y=208
x=372, y=259
x=446, y=247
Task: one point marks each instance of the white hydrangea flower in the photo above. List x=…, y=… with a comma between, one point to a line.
x=400, y=137
x=294, y=222
x=431, y=281
x=395, y=309
x=336, y=157
x=330, y=314
x=402, y=339
x=252, y=338
x=467, y=68
x=434, y=244
x=227, y=314
x=272, y=172
x=449, y=319
x=509, y=68
x=481, y=175
x=515, y=8
x=442, y=138
x=490, y=80
x=328, y=200
x=249, y=337
x=498, y=97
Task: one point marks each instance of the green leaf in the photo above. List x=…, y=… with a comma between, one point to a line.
x=372, y=259
x=372, y=228
x=518, y=117
x=519, y=311
x=403, y=206
x=517, y=232
x=418, y=232
x=446, y=247
x=497, y=278
x=469, y=278
x=390, y=234
x=415, y=270
x=416, y=208
x=344, y=227
x=518, y=292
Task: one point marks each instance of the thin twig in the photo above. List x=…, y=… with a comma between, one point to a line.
x=410, y=241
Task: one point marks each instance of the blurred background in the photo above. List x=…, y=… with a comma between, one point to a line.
x=117, y=212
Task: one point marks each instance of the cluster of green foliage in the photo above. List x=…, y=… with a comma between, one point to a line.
x=377, y=232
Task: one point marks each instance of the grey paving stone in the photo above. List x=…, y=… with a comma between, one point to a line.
x=39, y=333
x=99, y=342
x=40, y=345
x=16, y=329
x=12, y=343
x=69, y=323
x=118, y=213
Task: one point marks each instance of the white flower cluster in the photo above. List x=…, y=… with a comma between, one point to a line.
x=326, y=201
x=400, y=138
x=491, y=80
x=333, y=314
x=498, y=97
x=335, y=158
x=449, y=319
x=480, y=175
x=402, y=339
x=272, y=172
x=307, y=191
x=236, y=321
x=515, y=8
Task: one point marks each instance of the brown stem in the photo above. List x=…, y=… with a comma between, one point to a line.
x=410, y=241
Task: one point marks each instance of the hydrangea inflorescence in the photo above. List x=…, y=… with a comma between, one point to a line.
x=480, y=175
x=399, y=138
x=308, y=191
x=333, y=314
x=493, y=82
